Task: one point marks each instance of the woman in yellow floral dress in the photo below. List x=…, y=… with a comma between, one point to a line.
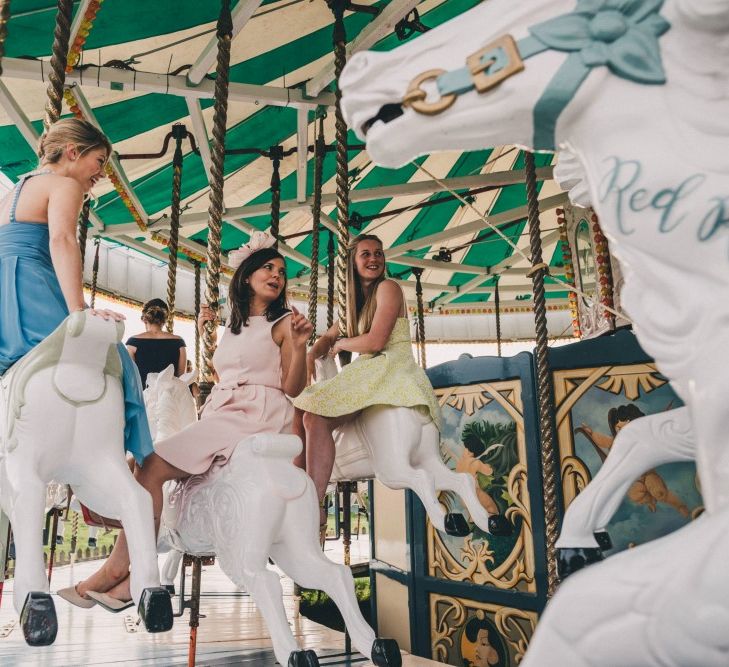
x=384, y=373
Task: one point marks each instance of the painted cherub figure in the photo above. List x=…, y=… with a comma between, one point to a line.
x=650, y=488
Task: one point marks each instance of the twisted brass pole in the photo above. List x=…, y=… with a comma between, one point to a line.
x=57, y=75
x=319, y=148
x=179, y=132
x=4, y=18
x=83, y=231
x=330, y=280
x=497, y=308
x=275, y=153
x=215, y=211
x=197, y=313
x=95, y=272
x=421, y=316
x=340, y=60
x=544, y=387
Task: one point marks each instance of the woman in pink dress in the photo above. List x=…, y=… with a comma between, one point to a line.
x=260, y=360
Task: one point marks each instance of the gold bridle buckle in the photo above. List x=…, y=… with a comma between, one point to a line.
x=415, y=95
x=483, y=81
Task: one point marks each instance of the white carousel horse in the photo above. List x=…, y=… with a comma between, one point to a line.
x=627, y=86
x=62, y=418
x=259, y=505
x=170, y=408
x=400, y=447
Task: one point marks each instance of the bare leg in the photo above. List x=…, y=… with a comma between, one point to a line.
x=298, y=429
x=155, y=472
x=320, y=448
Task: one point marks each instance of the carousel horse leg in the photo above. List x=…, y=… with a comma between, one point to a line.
x=382, y=426
x=170, y=569
x=428, y=457
x=641, y=445
x=117, y=493
x=32, y=598
x=262, y=517
x=299, y=555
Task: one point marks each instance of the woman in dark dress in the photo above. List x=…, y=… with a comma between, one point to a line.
x=155, y=349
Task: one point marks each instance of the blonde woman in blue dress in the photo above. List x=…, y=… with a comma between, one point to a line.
x=384, y=373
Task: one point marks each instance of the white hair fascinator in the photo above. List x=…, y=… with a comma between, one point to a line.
x=258, y=241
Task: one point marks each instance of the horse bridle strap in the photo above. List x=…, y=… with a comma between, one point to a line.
x=620, y=35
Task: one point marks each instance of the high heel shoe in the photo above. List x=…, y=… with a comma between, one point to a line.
x=109, y=603
x=72, y=595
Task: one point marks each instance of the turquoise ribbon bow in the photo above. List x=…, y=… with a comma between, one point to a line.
x=619, y=34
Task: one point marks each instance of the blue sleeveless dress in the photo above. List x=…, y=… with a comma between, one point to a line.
x=32, y=306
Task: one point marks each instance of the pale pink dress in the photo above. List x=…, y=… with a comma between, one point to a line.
x=247, y=400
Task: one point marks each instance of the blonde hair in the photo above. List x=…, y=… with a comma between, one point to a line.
x=83, y=134
x=360, y=309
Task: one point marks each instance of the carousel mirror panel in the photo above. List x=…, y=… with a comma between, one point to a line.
x=608, y=383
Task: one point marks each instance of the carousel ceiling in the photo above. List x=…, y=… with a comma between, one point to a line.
x=137, y=68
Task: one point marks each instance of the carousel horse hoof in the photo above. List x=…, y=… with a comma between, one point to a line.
x=499, y=526
x=456, y=525
x=569, y=560
x=386, y=653
x=603, y=540
x=303, y=659
x=38, y=620
x=170, y=588
x=155, y=609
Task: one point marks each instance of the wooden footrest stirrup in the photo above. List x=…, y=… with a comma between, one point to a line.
x=187, y=560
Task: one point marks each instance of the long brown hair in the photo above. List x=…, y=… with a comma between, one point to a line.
x=240, y=291
x=360, y=309
x=70, y=131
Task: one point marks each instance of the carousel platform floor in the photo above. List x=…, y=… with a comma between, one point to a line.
x=232, y=632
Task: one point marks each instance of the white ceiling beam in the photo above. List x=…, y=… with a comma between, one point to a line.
x=88, y=113
x=200, y=132
x=494, y=179
x=160, y=255
x=380, y=27
x=473, y=286
x=28, y=132
x=240, y=16
x=150, y=82
x=394, y=253
x=119, y=231
x=195, y=246
x=302, y=152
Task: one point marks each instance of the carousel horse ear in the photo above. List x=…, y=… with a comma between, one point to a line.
x=167, y=373
x=189, y=377
x=75, y=323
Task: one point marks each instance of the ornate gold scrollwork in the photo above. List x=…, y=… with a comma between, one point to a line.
x=449, y=614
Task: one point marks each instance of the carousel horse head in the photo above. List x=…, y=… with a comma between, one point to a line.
x=170, y=405
x=512, y=72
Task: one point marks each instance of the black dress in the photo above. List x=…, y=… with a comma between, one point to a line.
x=155, y=354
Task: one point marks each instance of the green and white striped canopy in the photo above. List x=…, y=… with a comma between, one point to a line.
x=144, y=66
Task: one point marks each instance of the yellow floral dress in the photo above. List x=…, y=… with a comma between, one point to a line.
x=390, y=377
